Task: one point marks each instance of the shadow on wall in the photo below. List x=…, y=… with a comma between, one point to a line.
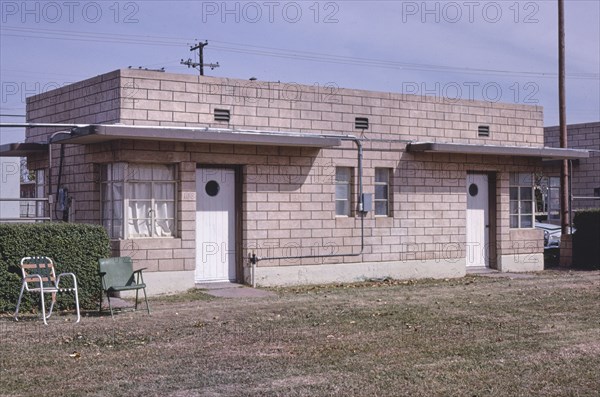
x=290, y=170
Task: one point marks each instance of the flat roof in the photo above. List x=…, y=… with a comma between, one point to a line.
x=22, y=149
x=103, y=133
x=496, y=150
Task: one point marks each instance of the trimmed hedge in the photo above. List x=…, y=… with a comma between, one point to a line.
x=586, y=239
x=73, y=248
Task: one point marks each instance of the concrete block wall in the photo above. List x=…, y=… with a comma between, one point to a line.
x=155, y=98
x=289, y=205
x=288, y=193
x=586, y=172
x=92, y=101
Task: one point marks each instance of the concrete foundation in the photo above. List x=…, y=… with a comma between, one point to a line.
x=533, y=262
x=354, y=272
x=159, y=283
x=162, y=283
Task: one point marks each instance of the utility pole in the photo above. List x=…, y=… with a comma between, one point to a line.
x=564, y=171
x=200, y=48
x=199, y=65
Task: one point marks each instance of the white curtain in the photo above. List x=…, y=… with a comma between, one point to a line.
x=112, y=198
x=142, y=185
x=162, y=173
x=115, y=213
x=164, y=196
x=141, y=194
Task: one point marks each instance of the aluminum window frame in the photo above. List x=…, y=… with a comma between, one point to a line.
x=519, y=183
x=348, y=197
x=386, y=200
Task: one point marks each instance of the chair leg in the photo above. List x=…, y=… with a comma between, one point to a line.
x=146, y=299
x=43, y=304
x=77, y=306
x=109, y=305
x=19, y=302
x=136, y=298
x=52, y=304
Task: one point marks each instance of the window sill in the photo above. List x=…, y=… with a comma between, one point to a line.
x=147, y=238
x=526, y=234
x=133, y=244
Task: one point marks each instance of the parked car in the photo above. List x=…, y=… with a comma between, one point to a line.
x=552, y=235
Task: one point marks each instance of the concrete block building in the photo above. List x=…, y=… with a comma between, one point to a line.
x=585, y=173
x=205, y=179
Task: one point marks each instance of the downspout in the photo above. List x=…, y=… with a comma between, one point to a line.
x=254, y=259
x=570, y=197
x=51, y=199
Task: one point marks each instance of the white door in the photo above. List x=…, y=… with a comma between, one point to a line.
x=478, y=232
x=215, y=225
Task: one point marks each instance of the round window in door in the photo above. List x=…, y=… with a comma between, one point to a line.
x=212, y=188
x=473, y=190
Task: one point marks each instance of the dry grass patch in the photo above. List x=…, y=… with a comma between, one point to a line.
x=475, y=336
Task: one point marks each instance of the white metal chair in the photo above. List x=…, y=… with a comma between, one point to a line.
x=39, y=277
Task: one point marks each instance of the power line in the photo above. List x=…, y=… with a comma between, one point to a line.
x=279, y=53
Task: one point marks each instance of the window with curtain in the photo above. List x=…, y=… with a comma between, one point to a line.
x=382, y=185
x=343, y=180
x=138, y=200
x=521, y=200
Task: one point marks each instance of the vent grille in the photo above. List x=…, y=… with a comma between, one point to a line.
x=483, y=130
x=222, y=115
x=361, y=123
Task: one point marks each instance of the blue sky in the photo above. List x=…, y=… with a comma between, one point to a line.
x=492, y=50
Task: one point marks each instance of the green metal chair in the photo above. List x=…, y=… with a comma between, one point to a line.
x=39, y=272
x=118, y=275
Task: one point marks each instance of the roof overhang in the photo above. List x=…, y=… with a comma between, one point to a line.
x=22, y=149
x=496, y=150
x=104, y=133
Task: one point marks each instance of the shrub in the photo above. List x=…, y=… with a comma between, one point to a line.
x=73, y=248
x=586, y=239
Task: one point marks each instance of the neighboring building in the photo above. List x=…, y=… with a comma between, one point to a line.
x=19, y=191
x=191, y=175
x=585, y=173
x=10, y=179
